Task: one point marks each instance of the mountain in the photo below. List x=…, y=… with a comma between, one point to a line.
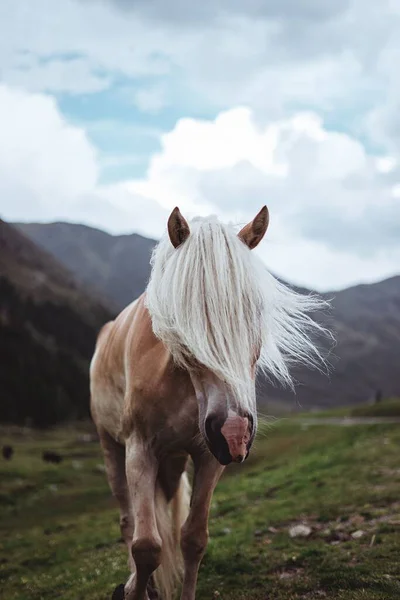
x=364, y=318
x=116, y=267
x=48, y=328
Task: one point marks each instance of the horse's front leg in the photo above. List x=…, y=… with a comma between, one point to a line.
x=194, y=535
x=141, y=473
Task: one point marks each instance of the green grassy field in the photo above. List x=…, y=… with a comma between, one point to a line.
x=59, y=535
x=388, y=408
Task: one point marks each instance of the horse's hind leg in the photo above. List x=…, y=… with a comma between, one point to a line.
x=114, y=459
x=141, y=472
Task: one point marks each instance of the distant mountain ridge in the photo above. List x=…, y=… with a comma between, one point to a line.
x=365, y=318
x=115, y=267
x=48, y=328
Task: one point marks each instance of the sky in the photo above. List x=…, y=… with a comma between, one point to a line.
x=113, y=112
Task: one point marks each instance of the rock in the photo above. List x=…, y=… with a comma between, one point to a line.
x=52, y=457
x=291, y=573
x=356, y=535
x=272, y=530
x=357, y=519
x=326, y=532
x=7, y=452
x=300, y=531
x=227, y=531
x=267, y=541
x=87, y=438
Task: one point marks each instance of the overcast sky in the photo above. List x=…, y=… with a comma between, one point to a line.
x=112, y=112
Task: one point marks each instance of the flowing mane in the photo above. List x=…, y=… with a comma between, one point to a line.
x=213, y=299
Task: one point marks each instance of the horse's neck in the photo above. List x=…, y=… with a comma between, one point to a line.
x=156, y=388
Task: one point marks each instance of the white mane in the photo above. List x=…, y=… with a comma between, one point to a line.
x=214, y=300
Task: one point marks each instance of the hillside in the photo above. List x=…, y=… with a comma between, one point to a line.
x=117, y=267
x=48, y=327
x=365, y=318
x=366, y=323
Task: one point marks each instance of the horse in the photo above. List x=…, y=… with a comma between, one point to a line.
x=173, y=379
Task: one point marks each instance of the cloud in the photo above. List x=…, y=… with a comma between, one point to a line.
x=41, y=155
x=277, y=57
x=182, y=12
x=273, y=56
x=74, y=41
x=150, y=99
x=49, y=170
x=59, y=75
x=301, y=102
x=334, y=211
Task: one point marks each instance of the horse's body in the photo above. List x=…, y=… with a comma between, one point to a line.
x=158, y=399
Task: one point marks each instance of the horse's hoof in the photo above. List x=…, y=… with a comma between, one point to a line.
x=119, y=592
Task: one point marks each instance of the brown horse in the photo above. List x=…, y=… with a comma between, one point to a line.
x=173, y=377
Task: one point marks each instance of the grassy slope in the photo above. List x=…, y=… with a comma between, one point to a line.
x=59, y=533
x=388, y=408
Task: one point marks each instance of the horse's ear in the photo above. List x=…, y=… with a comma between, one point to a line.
x=253, y=232
x=178, y=229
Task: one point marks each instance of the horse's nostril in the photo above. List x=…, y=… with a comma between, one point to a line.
x=208, y=427
x=213, y=424
x=214, y=438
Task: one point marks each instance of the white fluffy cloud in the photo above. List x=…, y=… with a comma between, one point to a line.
x=335, y=213
x=41, y=156
x=49, y=170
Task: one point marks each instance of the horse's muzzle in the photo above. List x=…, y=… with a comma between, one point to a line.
x=229, y=437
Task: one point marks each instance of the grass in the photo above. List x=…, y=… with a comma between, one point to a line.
x=341, y=411
x=59, y=535
x=388, y=408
